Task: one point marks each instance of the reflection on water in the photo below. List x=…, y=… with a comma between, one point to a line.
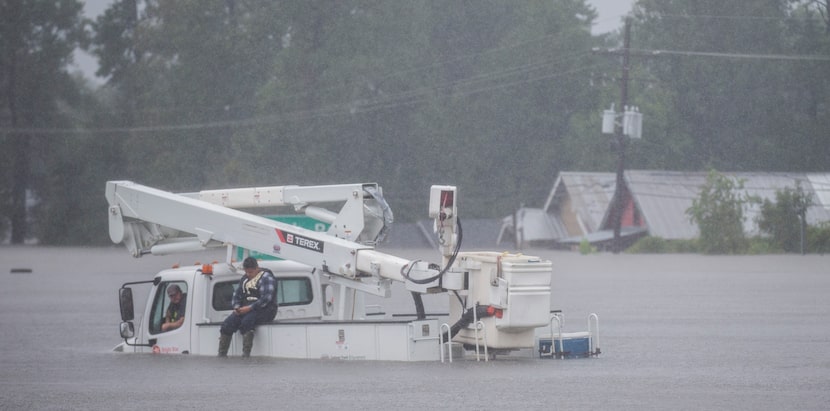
x=677, y=332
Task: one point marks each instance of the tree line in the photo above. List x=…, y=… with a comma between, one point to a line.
x=494, y=96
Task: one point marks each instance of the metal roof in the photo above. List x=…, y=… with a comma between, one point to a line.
x=534, y=226
x=664, y=196
x=821, y=189
x=590, y=195
x=765, y=186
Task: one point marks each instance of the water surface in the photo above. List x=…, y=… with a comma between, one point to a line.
x=680, y=332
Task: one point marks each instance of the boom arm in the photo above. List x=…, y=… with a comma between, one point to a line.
x=364, y=217
x=149, y=220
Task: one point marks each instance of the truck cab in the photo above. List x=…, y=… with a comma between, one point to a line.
x=207, y=297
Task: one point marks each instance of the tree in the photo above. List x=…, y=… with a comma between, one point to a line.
x=419, y=92
x=37, y=39
x=718, y=213
x=819, y=7
x=492, y=96
x=786, y=218
x=738, y=109
x=186, y=76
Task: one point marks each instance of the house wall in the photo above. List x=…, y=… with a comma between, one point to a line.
x=631, y=216
x=569, y=218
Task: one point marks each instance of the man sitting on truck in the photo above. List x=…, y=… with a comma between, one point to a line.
x=254, y=302
x=174, y=317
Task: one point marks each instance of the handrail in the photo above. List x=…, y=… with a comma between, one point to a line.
x=480, y=326
x=594, y=342
x=441, y=341
x=553, y=340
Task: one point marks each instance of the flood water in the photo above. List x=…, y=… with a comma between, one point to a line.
x=679, y=332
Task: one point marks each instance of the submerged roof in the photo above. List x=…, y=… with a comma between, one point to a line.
x=821, y=189
x=664, y=196
x=590, y=195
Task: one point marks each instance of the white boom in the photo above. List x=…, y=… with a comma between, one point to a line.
x=363, y=218
x=149, y=220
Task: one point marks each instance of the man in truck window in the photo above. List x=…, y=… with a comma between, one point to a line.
x=254, y=302
x=174, y=316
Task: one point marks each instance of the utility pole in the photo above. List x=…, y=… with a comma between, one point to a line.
x=621, y=142
x=630, y=126
x=623, y=126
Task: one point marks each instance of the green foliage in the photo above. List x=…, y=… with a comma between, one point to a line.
x=586, y=248
x=818, y=238
x=714, y=117
x=785, y=219
x=37, y=41
x=649, y=245
x=685, y=246
x=718, y=213
x=658, y=245
x=761, y=245
x=495, y=97
x=72, y=201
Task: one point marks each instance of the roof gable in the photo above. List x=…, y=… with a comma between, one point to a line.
x=590, y=195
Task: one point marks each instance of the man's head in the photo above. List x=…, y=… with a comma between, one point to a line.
x=175, y=293
x=250, y=265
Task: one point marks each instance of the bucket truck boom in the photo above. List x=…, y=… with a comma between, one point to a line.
x=498, y=299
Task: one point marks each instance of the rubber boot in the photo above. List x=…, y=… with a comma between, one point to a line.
x=247, y=343
x=224, y=344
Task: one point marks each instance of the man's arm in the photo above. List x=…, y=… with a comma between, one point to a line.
x=236, y=301
x=167, y=326
x=267, y=286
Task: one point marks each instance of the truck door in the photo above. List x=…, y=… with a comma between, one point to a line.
x=169, y=318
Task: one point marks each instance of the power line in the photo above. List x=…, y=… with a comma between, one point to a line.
x=409, y=97
x=727, y=17
x=487, y=77
x=657, y=53
x=445, y=62
x=558, y=41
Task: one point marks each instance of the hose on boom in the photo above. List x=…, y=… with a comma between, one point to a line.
x=450, y=261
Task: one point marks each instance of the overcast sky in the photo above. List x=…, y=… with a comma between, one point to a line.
x=610, y=15
x=610, y=12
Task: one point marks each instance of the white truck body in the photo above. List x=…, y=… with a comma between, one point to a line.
x=498, y=300
x=305, y=326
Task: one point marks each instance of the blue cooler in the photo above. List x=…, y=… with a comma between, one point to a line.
x=573, y=345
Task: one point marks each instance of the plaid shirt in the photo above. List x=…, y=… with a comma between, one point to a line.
x=267, y=292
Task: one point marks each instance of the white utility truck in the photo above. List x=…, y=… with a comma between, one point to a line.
x=496, y=300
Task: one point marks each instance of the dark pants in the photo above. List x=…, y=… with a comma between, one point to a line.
x=247, y=322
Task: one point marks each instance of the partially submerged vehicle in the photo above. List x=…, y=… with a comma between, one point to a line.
x=499, y=302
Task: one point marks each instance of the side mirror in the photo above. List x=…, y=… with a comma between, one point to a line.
x=125, y=300
x=127, y=330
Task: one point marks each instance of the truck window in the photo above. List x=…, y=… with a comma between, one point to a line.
x=223, y=295
x=294, y=291
x=290, y=291
x=162, y=300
